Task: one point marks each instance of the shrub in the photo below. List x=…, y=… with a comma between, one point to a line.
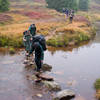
x=97, y=84
x=12, y=50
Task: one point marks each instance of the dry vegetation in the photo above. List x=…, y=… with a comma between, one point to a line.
x=48, y=22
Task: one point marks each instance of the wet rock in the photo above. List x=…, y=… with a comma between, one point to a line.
x=26, y=61
x=46, y=67
x=38, y=80
x=39, y=95
x=32, y=63
x=45, y=77
x=33, y=77
x=64, y=95
x=53, y=86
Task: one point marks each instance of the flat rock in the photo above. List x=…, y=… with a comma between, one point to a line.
x=53, y=86
x=33, y=77
x=38, y=80
x=26, y=61
x=39, y=95
x=46, y=77
x=31, y=63
x=46, y=67
x=64, y=95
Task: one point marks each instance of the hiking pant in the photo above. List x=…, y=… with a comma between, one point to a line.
x=71, y=19
x=38, y=64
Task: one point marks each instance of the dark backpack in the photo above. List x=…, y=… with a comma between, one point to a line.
x=41, y=40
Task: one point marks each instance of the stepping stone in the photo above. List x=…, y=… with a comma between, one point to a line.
x=46, y=67
x=46, y=77
x=26, y=61
x=38, y=80
x=53, y=86
x=64, y=95
x=31, y=63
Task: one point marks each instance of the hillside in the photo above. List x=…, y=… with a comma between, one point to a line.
x=48, y=22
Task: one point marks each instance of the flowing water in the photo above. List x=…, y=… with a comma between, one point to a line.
x=76, y=70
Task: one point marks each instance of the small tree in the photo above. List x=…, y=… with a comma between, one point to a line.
x=83, y=5
x=4, y=5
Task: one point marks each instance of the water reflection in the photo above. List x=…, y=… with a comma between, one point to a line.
x=76, y=70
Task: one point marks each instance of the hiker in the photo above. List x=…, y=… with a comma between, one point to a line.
x=32, y=29
x=71, y=16
x=27, y=38
x=39, y=46
x=39, y=55
x=67, y=13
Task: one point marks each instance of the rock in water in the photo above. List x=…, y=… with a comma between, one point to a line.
x=52, y=86
x=46, y=67
x=39, y=95
x=26, y=61
x=31, y=63
x=46, y=77
x=64, y=95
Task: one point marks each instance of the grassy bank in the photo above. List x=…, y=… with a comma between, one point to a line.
x=60, y=34
x=71, y=34
x=97, y=87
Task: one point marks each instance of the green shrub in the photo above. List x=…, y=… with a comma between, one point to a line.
x=97, y=84
x=8, y=41
x=12, y=50
x=59, y=41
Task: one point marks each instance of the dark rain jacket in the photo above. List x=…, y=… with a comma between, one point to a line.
x=39, y=53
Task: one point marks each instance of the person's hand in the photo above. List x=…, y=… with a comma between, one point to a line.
x=31, y=39
x=24, y=39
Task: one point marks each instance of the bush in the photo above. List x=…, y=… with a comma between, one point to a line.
x=11, y=41
x=97, y=84
x=12, y=51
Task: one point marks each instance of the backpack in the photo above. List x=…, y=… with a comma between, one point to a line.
x=41, y=40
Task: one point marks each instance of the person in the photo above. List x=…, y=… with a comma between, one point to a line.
x=67, y=13
x=39, y=55
x=27, y=38
x=71, y=16
x=32, y=29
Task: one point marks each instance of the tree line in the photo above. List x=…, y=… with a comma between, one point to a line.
x=70, y=4
x=55, y=4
